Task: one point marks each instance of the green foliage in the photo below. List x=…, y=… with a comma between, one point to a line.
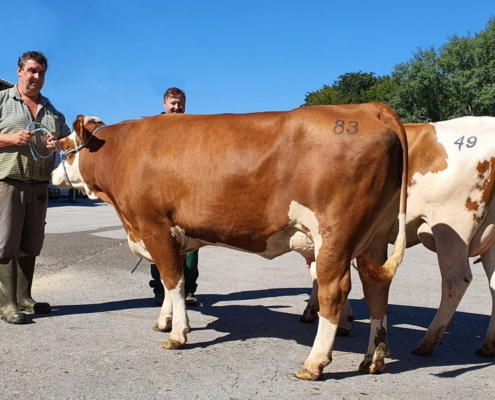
x=422, y=88
x=456, y=80
x=326, y=95
x=348, y=89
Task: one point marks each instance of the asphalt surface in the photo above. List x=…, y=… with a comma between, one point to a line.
x=247, y=341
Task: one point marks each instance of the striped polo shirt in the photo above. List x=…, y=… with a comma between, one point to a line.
x=17, y=162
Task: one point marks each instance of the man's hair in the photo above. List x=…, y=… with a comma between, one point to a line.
x=37, y=56
x=174, y=92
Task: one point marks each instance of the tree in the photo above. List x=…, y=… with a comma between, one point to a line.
x=326, y=95
x=349, y=88
x=422, y=88
x=469, y=63
x=456, y=80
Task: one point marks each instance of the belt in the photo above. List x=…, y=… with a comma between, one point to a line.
x=13, y=181
x=34, y=181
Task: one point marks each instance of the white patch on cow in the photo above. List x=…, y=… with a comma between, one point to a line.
x=376, y=325
x=174, y=303
x=187, y=244
x=312, y=270
x=324, y=341
x=68, y=176
x=139, y=249
x=302, y=220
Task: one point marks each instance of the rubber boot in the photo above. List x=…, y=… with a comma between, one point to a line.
x=25, y=273
x=9, y=310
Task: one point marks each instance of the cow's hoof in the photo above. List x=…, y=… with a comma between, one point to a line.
x=343, y=331
x=375, y=364
x=308, y=319
x=482, y=353
x=420, y=351
x=372, y=367
x=309, y=315
x=157, y=328
x=172, y=345
x=308, y=375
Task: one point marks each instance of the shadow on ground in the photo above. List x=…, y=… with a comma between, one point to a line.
x=241, y=322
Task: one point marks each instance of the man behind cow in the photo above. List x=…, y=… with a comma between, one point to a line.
x=174, y=101
x=24, y=184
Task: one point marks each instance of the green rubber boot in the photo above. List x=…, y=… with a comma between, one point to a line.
x=25, y=273
x=9, y=310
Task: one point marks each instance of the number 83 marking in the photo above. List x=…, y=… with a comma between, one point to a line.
x=351, y=127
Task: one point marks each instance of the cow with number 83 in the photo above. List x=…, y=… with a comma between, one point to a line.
x=328, y=181
x=451, y=211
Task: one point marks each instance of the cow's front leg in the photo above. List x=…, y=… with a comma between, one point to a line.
x=180, y=321
x=377, y=298
x=173, y=315
x=334, y=286
x=164, y=321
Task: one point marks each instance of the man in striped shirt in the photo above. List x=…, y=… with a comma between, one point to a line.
x=26, y=161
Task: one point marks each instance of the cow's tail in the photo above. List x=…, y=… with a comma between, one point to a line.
x=386, y=272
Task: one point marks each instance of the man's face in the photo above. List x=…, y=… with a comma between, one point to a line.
x=31, y=77
x=174, y=104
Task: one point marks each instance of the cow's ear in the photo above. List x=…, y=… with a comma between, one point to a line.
x=81, y=132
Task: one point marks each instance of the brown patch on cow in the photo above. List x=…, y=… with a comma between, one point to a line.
x=486, y=185
x=426, y=154
x=69, y=144
x=472, y=205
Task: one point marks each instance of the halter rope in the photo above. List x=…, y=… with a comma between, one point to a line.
x=63, y=154
x=36, y=127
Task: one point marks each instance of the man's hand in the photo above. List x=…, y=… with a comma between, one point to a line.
x=21, y=138
x=52, y=143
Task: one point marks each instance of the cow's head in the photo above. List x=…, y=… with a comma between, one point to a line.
x=68, y=175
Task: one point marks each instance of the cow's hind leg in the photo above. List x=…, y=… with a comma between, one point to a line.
x=334, y=284
x=456, y=277
x=310, y=313
x=487, y=348
x=376, y=296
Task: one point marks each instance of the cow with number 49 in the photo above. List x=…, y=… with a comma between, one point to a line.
x=328, y=181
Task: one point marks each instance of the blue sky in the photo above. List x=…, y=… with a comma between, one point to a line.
x=114, y=59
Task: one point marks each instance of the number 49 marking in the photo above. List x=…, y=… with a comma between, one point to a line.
x=470, y=142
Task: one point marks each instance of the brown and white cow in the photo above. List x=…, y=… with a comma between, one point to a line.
x=451, y=211
x=323, y=180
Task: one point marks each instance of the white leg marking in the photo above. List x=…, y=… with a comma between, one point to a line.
x=321, y=353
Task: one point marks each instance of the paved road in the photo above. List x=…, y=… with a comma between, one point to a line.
x=246, y=341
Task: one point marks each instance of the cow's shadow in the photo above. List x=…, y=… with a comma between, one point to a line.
x=407, y=325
